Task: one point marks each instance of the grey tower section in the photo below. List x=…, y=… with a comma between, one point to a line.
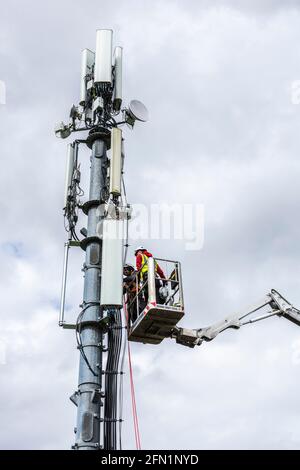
x=90, y=394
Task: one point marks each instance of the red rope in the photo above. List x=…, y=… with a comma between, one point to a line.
x=133, y=401
x=132, y=391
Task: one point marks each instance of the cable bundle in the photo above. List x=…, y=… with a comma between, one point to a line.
x=112, y=383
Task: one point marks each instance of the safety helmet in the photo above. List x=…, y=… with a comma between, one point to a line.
x=129, y=267
x=139, y=248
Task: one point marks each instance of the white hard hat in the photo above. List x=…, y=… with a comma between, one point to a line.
x=139, y=248
x=129, y=266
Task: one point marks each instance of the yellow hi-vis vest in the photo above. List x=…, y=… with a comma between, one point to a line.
x=144, y=268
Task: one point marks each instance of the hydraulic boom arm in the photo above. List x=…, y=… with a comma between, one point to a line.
x=274, y=302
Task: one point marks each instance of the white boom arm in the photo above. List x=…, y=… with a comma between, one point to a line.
x=276, y=304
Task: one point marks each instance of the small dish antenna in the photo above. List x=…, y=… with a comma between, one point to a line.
x=136, y=111
x=62, y=131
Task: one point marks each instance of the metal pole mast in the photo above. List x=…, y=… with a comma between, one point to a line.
x=90, y=392
x=107, y=211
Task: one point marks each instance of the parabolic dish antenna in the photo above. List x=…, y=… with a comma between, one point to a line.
x=138, y=111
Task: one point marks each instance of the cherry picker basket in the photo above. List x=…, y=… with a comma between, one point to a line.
x=158, y=304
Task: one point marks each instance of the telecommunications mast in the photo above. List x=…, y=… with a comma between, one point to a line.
x=157, y=304
x=99, y=326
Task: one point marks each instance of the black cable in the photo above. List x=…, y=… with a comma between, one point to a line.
x=80, y=347
x=107, y=405
x=120, y=335
x=120, y=371
x=78, y=335
x=115, y=333
x=114, y=383
x=124, y=340
x=74, y=234
x=112, y=379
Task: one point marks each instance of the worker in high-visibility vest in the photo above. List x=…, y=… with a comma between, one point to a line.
x=142, y=255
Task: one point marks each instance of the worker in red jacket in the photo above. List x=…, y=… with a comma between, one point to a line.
x=142, y=256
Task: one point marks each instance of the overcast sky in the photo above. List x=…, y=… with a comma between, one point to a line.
x=224, y=132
